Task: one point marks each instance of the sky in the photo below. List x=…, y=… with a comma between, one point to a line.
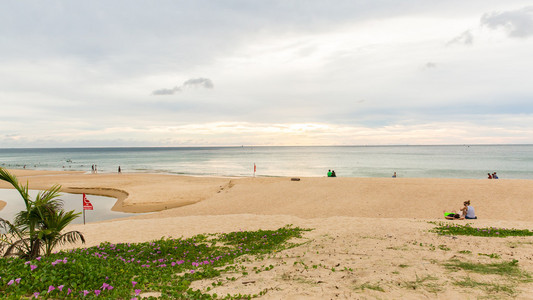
x=250, y=72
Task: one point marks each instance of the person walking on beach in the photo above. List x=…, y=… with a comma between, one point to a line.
x=119, y=170
x=468, y=211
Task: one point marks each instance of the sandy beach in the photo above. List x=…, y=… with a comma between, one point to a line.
x=371, y=237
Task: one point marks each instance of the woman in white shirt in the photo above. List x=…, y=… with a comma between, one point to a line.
x=468, y=211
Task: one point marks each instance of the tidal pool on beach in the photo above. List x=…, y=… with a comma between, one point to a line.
x=101, y=206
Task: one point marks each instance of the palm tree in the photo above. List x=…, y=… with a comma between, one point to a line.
x=39, y=226
x=53, y=225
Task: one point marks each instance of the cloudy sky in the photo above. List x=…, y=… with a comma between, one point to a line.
x=230, y=72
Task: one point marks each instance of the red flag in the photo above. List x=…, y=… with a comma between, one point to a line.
x=87, y=204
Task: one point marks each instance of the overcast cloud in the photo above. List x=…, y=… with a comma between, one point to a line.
x=133, y=73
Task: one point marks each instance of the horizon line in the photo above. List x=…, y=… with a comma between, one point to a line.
x=259, y=146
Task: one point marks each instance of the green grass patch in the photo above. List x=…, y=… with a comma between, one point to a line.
x=467, y=229
x=427, y=283
x=489, y=287
x=122, y=271
x=507, y=268
x=492, y=255
x=370, y=286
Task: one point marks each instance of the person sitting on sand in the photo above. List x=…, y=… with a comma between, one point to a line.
x=329, y=173
x=494, y=176
x=333, y=174
x=468, y=211
x=490, y=176
x=394, y=175
x=453, y=216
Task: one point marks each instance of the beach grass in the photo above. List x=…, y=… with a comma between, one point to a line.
x=506, y=268
x=444, y=228
x=488, y=287
x=163, y=268
x=510, y=276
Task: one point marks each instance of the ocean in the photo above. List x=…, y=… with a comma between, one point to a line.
x=453, y=161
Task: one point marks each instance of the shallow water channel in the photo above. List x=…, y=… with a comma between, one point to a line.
x=102, y=206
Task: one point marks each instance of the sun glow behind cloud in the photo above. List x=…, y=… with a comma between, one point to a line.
x=242, y=133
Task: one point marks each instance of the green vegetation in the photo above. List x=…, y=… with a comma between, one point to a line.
x=122, y=271
x=492, y=255
x=456, y=229
x=509, y=273
x=489, y=287
x=508, y=268
x=370, y=286
x=427, y=283
x=39, y=227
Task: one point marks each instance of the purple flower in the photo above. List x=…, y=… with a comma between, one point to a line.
x=11, y=282
x=85, y=292
x=104, y=286
x=17, y=280
x=60, y=288
x=133, y=283
x=69, y=291
x=51, y=288
x=33, y=267
x=137, y=292
x=97, y=292
x=36, y=295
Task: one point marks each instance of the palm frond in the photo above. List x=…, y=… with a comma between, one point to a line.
x=23, y=190
x=71, y=237
x=18, y=248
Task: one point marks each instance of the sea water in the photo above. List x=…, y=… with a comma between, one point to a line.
x=453, y=161
x=101, y=206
